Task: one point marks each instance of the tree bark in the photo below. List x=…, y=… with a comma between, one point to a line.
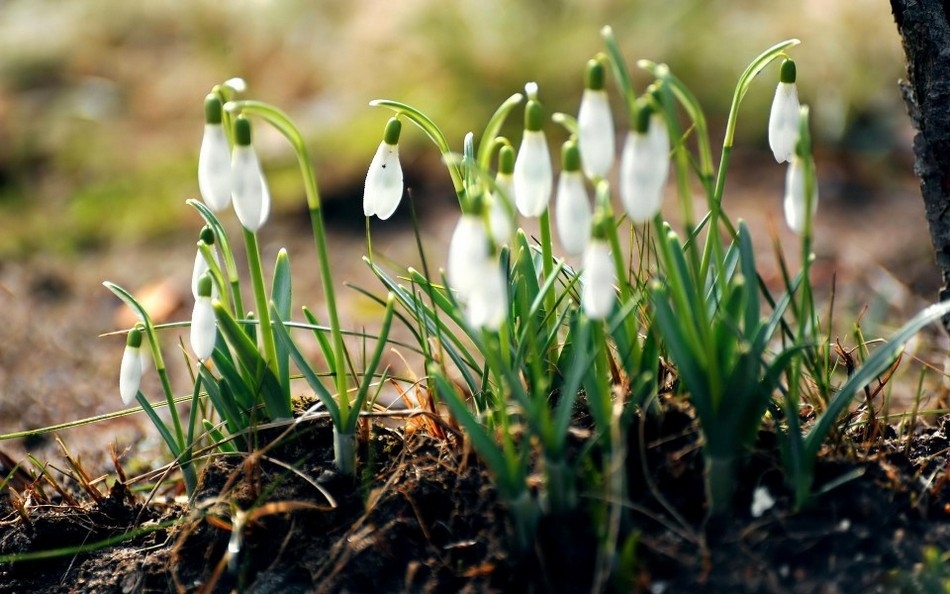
x=924, y=26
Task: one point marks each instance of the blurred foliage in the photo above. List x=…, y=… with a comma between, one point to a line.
x=101, y=101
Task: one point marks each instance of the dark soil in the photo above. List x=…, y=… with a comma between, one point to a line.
x=423, y=517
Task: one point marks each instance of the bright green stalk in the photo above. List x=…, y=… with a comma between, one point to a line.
x=619, y=67
x=260, y=297
x=282, y=123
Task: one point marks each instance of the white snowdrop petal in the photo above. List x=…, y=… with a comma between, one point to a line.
x=597, y=281
x=533, y=175
x=203, y=328
x=783, y=122
x=795, y=205
x=468, y=250
x=597, y=138
x=573, y=213
x=488, y=299
x=248, y=188
x=383, y=188
x=644, y=166
x=130, y=374
x=214, y=168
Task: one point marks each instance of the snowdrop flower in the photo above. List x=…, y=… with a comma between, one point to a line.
x=132, y=366
x=488, y=299
x=783, y=119
x=236, y=84
x=468, y=249
x=796, y=204
x=214, y=159
x=383, y=189
x=597, y=280
x=249, y=189
x=645, y=165
x=533, y=176
x=499, y=213
x=572, y=204
x=201, y=264
x=203, y=327
x=475, y=274
x=596, y=137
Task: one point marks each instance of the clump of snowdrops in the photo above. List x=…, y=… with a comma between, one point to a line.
x=515, y=336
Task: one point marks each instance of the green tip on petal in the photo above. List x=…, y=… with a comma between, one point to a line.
x=207, y=235
x=506, y=160
x=533, y=116
x=391, y=134
x=788, y=73
x=204, y=285
x=242, y=131
x=598, y=228
x=476, y=204
x=212, y=109
x=134, y=338
x=642, y=112
x=594, y=78
x=570, y=156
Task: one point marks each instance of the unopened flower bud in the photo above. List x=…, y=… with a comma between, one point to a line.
x=214, y=159
x=572, y=204
x=383, y=188
x=250, y=194
x=783, y=118
x=533, y=175
x=203, y=325
x=596, y=136
x=132, y=367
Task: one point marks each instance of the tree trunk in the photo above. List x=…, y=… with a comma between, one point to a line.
x=925, y=31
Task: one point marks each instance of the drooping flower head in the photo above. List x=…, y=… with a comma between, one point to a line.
x=475, y=273
x=214, y=159
x=801, y=185
x=203, y=326
x=248, y=186
x=533, y=175
x=596, y=135
x=783, y=118
x=383, y=188
x=645, y=164
x=598, y=276
x=572, y=204
x=132, y=366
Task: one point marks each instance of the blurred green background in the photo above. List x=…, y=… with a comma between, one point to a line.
x=101, y=101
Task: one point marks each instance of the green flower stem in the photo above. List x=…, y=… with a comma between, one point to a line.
x=487, y=143
x=550, y=299
x=524, y=515
x=720, y=482
x=282, y=123
x=344, y=451
x=260, y=298
x=560, y=496
x=619, y=67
